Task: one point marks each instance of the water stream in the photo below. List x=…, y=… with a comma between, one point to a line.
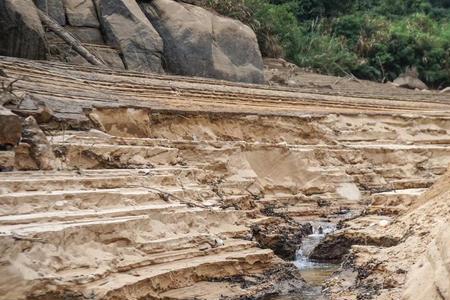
x=315, y=273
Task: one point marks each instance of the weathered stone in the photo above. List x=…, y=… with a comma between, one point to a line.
x=81, y=13
x=283, y=236
x=10, y=127
x=54, y=9
x=21, y=31
x=40, y=150
x=446, y=90
x=6, y=161
x=336, y=245
x=127, y=28
x=200, y=43
x=410, y=79
x=429, y=277
x=110, y=56
x=87, y=34
x=23, y=158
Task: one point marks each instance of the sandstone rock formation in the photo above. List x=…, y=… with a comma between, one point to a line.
x=162, y=193
x=414, y=265
x=429, y=277
x=10, y=134
x=127, y=28
x=21, y=31
x=198, y=42
x=10, y=128
x=37, y=153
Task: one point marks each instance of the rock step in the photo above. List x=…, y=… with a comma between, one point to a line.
x=112, y=228
x=236, y=187
x=394, y=202
x=419, y=183
x=97, y=137
x=95, y=156
x=79, y=276
x=190, y=240
x=81, y=182
x=401, y=184
x=39, y=201
x=397, y=197
x=397, y=147
x=205, y=290
x=280, y=201
x=59, y=216
x=311, y=211
x=96, y=172
x=102, y=138
x=382, y=210
x=151, y=280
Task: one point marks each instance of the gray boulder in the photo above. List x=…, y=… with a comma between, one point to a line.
x=445, y=91
x=54, y=9
x=21, y=31
x=410, y=80
x=86, y=34
x=127, y=28
x=198, y=42
x=81, y=13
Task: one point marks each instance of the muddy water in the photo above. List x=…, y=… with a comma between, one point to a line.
x=314, y=273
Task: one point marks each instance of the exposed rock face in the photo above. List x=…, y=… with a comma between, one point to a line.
x=200, y=43
x=39, y=148
x=127, y=28
x=417, y=267
x=10, y=127
x=284, y=238
x=161, y=205
x=197, y=42
x=21, y=32
x=429, y=277
x=54, y=9
x=81, y=13
x=363, y=231
x=87, y=34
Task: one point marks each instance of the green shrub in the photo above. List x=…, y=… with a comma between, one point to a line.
x=372, y=39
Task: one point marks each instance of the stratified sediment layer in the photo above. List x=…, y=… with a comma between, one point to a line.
x=168, y=187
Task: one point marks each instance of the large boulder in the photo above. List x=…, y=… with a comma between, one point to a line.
x=127, y=28
x=410, y=80
x=54, y=9
x=81, y=13
x=21, y=31
x=198, y=42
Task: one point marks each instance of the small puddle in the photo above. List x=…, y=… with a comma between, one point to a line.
x=315, y=273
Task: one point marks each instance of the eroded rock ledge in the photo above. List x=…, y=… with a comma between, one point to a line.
x=161, y=185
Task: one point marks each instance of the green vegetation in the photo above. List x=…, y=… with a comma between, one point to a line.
x=372, y=39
